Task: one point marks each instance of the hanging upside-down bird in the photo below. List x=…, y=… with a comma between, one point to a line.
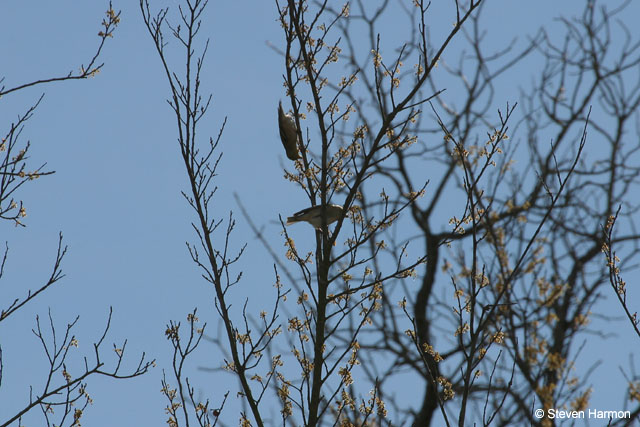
x=288, y=133
x=313, y=215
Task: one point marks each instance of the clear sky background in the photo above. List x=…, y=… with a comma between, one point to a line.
x=116, y=198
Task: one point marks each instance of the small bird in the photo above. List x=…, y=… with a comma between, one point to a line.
x=288, y=133
x=313, y=215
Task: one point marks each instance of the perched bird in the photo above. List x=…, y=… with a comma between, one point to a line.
x=313, y=215
x=288, y=133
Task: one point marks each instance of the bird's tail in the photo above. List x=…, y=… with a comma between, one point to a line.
x=291, y=220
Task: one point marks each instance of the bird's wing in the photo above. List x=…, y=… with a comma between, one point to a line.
x=304, y=212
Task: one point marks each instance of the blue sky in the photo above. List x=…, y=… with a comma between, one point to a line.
x=116, y=192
